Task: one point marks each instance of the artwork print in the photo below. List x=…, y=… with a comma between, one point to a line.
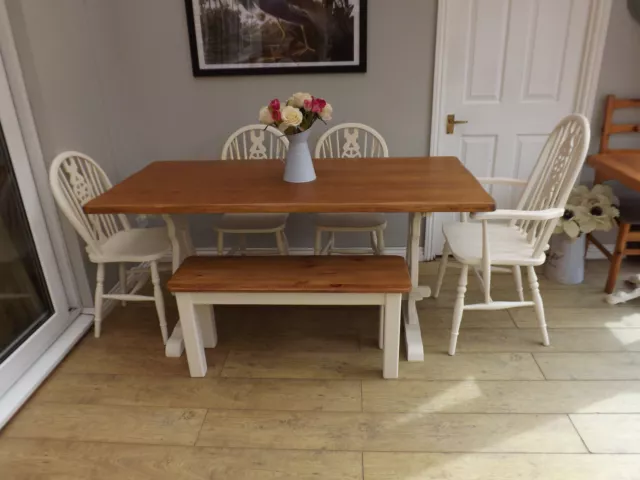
x=240, y=37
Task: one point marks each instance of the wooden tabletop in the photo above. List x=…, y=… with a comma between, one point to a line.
x=624, y=167
x=347, y=274
x=426, y=184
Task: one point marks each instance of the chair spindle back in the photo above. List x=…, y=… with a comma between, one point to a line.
x=351, y=140
x=75, y=179
x=553, y=177
x=255, y=142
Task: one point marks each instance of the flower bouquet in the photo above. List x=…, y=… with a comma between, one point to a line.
x=294, y=120
x=586, y=211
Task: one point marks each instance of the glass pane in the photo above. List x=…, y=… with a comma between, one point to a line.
x=24, y=298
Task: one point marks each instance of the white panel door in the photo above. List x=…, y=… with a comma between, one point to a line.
x=511, y=70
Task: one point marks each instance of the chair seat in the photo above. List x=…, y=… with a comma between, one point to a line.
x=252, y=222
x=508, y=246
x=346, y=221
x=135, y=245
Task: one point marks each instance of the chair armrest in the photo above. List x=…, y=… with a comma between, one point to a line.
x=502, y=181
x=548, y=214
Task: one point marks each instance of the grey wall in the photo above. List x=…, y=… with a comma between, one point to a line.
x=620, y=73
x=113, y=79
x=180, y=116
x=620, y=76
x=72, y=77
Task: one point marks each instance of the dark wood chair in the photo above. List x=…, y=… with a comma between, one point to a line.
x=621, y=169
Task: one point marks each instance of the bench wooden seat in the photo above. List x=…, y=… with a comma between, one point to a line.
x=202, y=282
x=353, y=274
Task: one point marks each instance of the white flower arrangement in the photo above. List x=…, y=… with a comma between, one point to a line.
x=299, y=113
x=588, y=211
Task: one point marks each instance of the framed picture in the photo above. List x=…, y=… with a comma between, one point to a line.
x=248, y=37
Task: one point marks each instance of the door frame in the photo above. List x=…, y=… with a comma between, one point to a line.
x=597, y=25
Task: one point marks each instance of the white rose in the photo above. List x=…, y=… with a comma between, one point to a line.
x=326, y=112
x=265, y=116
x=298, y=99
x=291, y=117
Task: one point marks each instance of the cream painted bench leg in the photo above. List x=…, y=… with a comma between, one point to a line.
x=391, y=353
x=192, y=334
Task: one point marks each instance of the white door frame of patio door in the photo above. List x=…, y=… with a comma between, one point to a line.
x=33, y=360
x=595, y=37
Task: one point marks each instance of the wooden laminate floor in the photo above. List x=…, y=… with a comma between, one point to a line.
x=296, y=393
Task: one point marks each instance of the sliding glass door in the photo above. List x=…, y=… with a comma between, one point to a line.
x=25, y=302
x=34, y=309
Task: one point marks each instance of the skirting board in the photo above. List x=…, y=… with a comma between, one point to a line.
x=20, y=391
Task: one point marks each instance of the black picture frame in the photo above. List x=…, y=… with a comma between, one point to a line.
x=304, y=68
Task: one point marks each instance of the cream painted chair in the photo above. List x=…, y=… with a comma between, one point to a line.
x=350, y=140
x=254, y=142
x=75, y=179
x=515, y=238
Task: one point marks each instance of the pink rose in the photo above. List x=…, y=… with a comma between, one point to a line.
x=308, y=105
x=274, y=105
x=276, y=114
x=318, y=105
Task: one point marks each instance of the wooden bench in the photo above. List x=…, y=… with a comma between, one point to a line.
x=202, y=282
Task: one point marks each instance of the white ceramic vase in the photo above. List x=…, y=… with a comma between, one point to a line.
x=298, y=163
x=565, y=260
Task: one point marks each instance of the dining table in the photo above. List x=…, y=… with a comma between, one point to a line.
x=418, y=186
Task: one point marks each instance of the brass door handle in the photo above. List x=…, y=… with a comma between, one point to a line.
x=452, y=122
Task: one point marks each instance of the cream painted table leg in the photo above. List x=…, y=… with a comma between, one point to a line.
x=178, y=228
x=412, y=335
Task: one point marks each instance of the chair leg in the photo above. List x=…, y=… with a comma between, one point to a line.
x=122, y=270
x=380, y=236
x=220, y=244
x=243, y=244
x=381, y=329
x=317, y=250
x=329, y=246
x=587, y=239
x=618, y=255
x=157, y=294
x=373, y=240
x=97, y=316
x=517, y=277
x=458, y=309
x=391, y=353
x=280, y=241
x=442, y=269
x=537, y=304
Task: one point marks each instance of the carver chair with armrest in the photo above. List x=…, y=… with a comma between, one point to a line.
x=517, y=238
